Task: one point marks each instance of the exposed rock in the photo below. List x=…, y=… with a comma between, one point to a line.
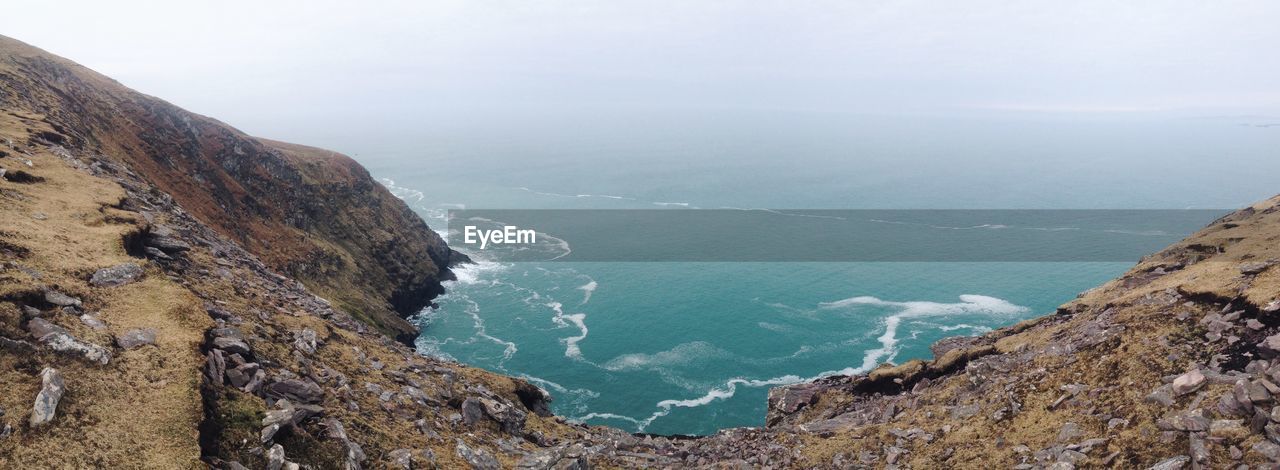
x=1188, y=382
x=46, y=405
x=1250, y=269
x=401, y=459
x=155, y=253
x=305, y=341
x=40, y=328
x=1257, y=393
x=1267, y=449
x=297, y=390
x=478, y=459
x=58, y=339
x=241, y=375
x=137, y=338
x=275, y=457
x=472, y=411
x=791, y=398
x=215, y=366
x=1161, y=395
x=168, y=245
x=231, y=345
x=60, y=299
x=1189, y=421
x=541, y=460
x=1270, y=347
x=534, y=398
x=117, y=275
x=93, y=322
x=1172, y=463
x=354, y=456
x=1069, y=432
x=287, y=415
x=15, y=345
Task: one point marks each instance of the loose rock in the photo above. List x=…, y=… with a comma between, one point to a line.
x=137, y=338
x=1188, y=382
x=60, y=299
x=46, y=405
x=118, y=275
x=1172, y=463
x=478, y=459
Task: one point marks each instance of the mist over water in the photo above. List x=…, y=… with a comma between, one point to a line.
x=691, y=348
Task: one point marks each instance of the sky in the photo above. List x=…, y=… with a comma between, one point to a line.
x=274, y=67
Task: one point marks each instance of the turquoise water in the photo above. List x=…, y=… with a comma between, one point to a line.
x=690, y=348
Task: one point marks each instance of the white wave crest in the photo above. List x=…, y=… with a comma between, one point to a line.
x=477, y=272
x=969, y=305
x=680, y=355
x=587, y=289
x=571, y=349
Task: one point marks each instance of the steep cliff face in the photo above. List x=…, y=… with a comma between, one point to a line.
x=312, y=214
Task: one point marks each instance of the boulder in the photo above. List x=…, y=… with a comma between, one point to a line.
x=58, y=339
x=297, y=390
x=46, y=405
x=117, y=275
x=1188, y=382
x=137, y=338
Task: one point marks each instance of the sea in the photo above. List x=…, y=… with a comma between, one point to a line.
x=692, y=347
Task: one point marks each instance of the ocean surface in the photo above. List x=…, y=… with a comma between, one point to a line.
x=691, y=348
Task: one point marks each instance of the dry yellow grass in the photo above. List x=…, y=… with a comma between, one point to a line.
x=144, y=407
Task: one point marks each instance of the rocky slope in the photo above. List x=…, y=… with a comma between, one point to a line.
x=309, y=213
x=174, y=293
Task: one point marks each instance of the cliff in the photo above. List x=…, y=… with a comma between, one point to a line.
x=174, y=293
x=312, y=214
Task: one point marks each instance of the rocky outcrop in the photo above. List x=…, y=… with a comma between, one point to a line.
x=312, y=214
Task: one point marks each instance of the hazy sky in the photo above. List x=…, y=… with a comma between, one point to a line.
x=267, y=66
